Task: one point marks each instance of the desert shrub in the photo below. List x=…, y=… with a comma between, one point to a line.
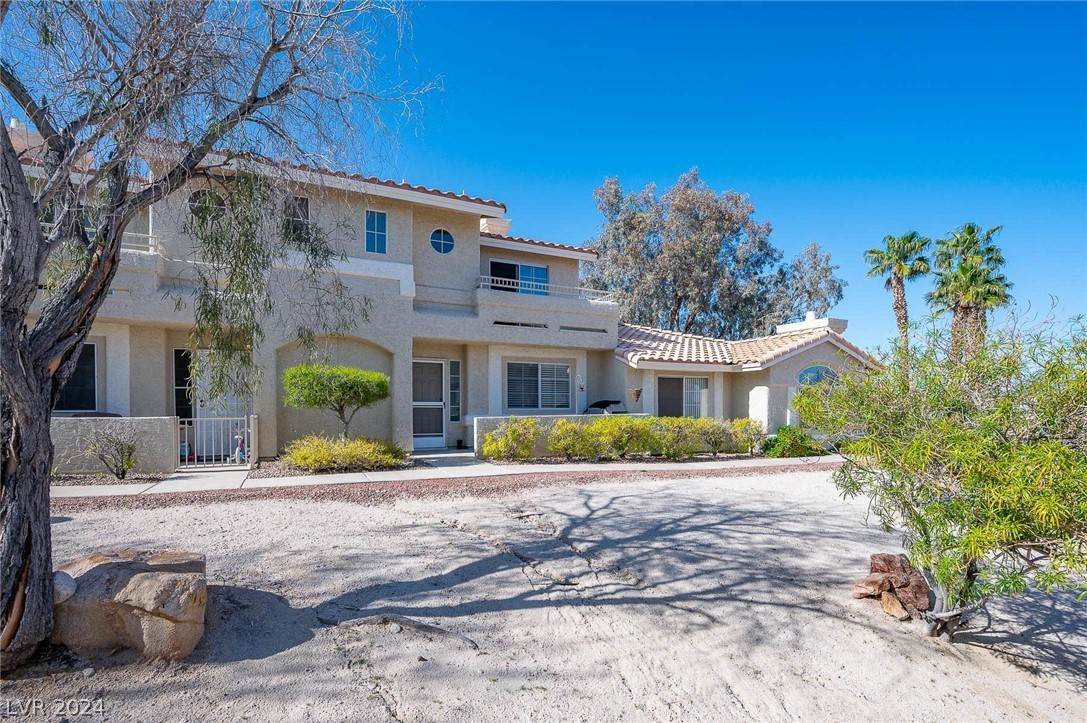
x=675, y=437
x=575, y=440
x=980, y=461
x=792, y=442
x=716, y=436
x=335, y=454
x=116, y=450
x=343, y=390
x=514, y=439
x=622, y=435
x=747, y=434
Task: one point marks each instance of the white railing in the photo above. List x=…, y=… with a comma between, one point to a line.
x=216, y=442
x=129, y=239
x=536, y=288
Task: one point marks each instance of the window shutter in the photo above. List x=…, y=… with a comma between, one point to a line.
x=522, y=386
x=554, y=386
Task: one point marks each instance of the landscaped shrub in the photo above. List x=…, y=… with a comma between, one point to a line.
x=343, y=390
x=573, y=440
x=792, y=442
x=622, y=435
x=335, y=454
x=675, y=437
x=747, y=434
x=116, y=450
x=514, y=439
x=716, y=436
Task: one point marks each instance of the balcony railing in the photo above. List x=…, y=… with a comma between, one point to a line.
x=535, y=288
x=129, y=239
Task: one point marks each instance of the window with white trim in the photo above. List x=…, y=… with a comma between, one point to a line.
x=80, y=392
x=376, y=232
x=296, y=219
x=454, y=390
x=696, y=396
x=532, y=385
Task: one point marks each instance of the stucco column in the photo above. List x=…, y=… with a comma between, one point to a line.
x=400, y=384
x=649, y=392
x=720, y=398
x=266, y=397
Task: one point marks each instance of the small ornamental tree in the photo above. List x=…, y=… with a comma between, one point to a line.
x=981, y=464
x=344, y=390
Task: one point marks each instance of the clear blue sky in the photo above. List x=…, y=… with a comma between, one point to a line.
x=843, y=122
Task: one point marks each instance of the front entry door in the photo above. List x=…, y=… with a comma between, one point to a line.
x=428, y=404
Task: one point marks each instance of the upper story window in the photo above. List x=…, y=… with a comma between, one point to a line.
x=376, y=232
x=525, y=278
x=815, y=374
x=296, y=218
x=442, y=241
x=80, y=392
x=206, y=204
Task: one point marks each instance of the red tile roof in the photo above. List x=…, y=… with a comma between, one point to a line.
x=401, y=185
x=532, y=242
x=645, y=343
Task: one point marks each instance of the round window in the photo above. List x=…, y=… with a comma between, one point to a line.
x=816, y=373
x=206, y=204
x=442, y=241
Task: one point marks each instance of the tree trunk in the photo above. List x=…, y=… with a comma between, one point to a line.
x=959, y=324
x=26, y=569
x=898, y=290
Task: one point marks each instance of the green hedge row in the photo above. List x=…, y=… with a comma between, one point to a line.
x=618, y=436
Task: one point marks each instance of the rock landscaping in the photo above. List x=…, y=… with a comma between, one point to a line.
x=902, y=590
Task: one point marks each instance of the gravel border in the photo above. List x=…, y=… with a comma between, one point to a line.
x=384, y=493
x=132, y=478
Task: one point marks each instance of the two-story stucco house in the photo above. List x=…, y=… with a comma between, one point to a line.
x=467, y=320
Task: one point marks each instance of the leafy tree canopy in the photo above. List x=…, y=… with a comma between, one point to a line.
x=344, y=390
x=697, y=261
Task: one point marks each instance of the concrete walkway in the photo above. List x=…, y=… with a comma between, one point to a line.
x=438, y=465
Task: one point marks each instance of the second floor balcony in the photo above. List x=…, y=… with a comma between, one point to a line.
x=537, y=288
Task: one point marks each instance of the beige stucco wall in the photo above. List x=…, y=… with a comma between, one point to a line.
x=375, y=421
x=447, y=279
x=155, y=437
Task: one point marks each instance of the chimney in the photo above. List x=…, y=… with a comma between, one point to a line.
x=811, y=322
x=497, y=226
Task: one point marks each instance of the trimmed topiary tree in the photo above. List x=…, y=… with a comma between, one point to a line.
x=344, y=390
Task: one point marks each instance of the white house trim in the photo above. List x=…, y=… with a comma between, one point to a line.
x=536, y=249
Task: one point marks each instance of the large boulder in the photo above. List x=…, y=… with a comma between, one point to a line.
x=893, y=574
x=152, y=602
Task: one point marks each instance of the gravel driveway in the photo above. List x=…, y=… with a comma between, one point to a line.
x=681, y=599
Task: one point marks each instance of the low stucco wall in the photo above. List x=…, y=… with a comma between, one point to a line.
x=156, y=449
x=484, y=425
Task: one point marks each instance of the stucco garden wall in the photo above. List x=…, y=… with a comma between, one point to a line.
x=156, y=449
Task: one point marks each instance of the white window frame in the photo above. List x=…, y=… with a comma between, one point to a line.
x=540, y=380
x=94, y=346
x=456, y=393
x=520, y=266
x=383, y=236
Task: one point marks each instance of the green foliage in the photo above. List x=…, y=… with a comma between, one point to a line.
x=335, y=454
x=792, y=442
x=747, y=433
x=572, y=440
x=716, y=436
x=116, y=450
x=344, y=390
x=514, y=440
x=622, y=435
x=981, y=463
x=675, y=437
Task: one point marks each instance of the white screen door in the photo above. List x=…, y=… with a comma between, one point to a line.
x=428, y=404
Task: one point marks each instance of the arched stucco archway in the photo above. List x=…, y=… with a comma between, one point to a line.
x=293, y=423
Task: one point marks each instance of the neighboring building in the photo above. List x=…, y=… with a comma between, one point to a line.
x=467, y=321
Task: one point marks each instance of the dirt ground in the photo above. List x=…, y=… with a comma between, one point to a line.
x=682, y=599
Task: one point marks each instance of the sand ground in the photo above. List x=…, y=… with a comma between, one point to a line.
x=694, y=599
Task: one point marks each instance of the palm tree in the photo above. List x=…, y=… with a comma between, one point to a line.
x=969, y=284
x=901, y=259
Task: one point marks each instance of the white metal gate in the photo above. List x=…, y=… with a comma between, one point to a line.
x=216, y=441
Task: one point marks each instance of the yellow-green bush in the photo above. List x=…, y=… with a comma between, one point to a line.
x=514, y=439
x=572, y=440
x=747, y=434
x=621, y=435
x=715, y=435
x=326, y=454
x=675, y=437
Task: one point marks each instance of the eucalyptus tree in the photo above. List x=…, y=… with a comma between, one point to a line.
x=695, y=260
x=901, y=259
x=969, y=284
x=132, y=102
